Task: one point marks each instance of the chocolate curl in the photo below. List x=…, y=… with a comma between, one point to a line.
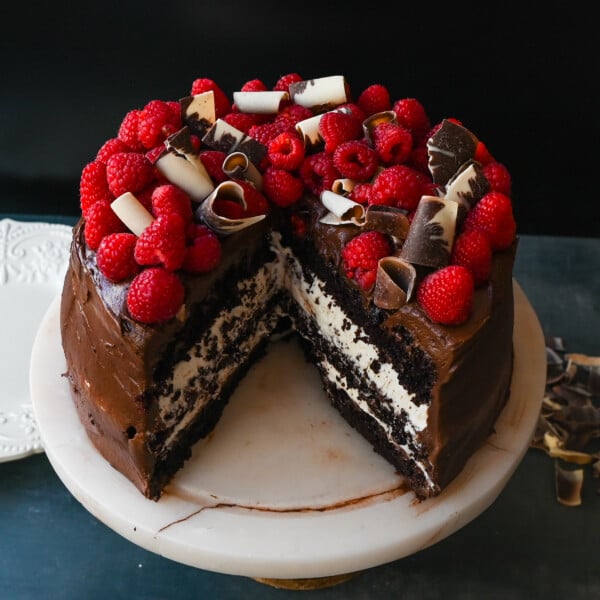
x=224, y=137
x=191, y=177
x=308, y=129
x=132, y=213
x=369, y=124
x=227, y=190
x=319, y=94
x=343, y=186
x=568, y=485
x=238, y=166
x=342, y=210
x=451, y=146
x=389, y=220
x=262, y=103
x=180, y=143
x=394, y=284
x=431, y=234
x=467, y=186
x=198, y=112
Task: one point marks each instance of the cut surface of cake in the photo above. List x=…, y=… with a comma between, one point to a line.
x=384, y=241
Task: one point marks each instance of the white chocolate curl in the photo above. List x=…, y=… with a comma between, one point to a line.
x=132, y=213
x=262, y=103
x=238, y=166
x=191, y=177
x=323, y=92
x=228, y=190
x=342, y=210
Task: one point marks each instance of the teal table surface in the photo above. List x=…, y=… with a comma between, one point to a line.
x=526, y=545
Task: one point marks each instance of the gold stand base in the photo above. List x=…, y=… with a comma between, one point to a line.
x=313, y=583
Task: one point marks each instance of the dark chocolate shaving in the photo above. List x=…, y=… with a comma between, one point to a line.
x=387, y=219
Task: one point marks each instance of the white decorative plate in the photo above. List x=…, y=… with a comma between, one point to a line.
x=284, y=488
x=33, y=261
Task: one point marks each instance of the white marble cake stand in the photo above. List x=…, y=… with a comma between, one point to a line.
x=284, y=488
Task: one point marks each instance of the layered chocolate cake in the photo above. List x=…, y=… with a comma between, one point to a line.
x=383, y=240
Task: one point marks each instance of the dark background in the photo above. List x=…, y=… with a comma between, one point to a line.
x=524, y=81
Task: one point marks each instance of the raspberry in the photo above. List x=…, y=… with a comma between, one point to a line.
x=286, y=151
x=128, y=130
x=284, y=82
x=100, y=221
x=482, y=154
x=355, y=160
x=222, y=103
x=354, y=110
x=156, y=122
x=411, y=115
x=228, y=209
x=213, y=163
x=254, y=85
x=293, y=114
x=472, y=250
x=338, y=127
x=128, y=172
x=194, y=230
x=203, y=255
x=111, y=147
x=499, y=177
x=493, y=215
x=281, y=187
x=392, y=142
x=361, y=193
x=318, y=172
x=419, y=159
x=115, y=256
x=446, y=295
x=155, y=295
x=93, y=186
x=256, y=203
x=154, y=154
x=168, y=198
x=361, y=255
x=266, y=132
x=400, y=186
x=374, y=99
x=162, y=242
x=242, y=121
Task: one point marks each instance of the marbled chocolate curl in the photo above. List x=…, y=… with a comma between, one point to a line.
x=180, y=143
x=238, y=166
x=192, y=178
x=132, y=213
x=394, y=284
x=431, y=233
x=369, y=124
x=342, y=210
x=224, y=137
x=262, y=103
x=451, y=146
x=227, y=190
x=387, y=219
x=319, y=94
x=468, y=185
x=198, y=112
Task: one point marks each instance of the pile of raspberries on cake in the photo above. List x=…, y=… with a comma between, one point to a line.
x=391, y=168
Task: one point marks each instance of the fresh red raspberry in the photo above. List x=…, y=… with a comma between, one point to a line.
x=361, y=255
x=169, y=198
x=284, y=82
x=254, y=85
x=318, y=172
x=156, y=122
x=128, y=130
x=155, y=295
x=293, y=114
x=93, y=186
x=400, y=186
x=222, y=102
x=286, y=151
x=354, y=110
x=115, y=256
x=100, y=221
x=411, y=115
x=266, y=132
x=194, y=230
x=392, y=142
x=110, y=147
x=482, y=155
x=493, y=215
x=128, y=172
x=446, y=295
x=499, y=177
x=256, y=203
x=243, y=121
x=419, y=159
x=374, y=99
x=162, y=243
x=213, y=163
x=203, y=255
x=338, y=127
x=355, y=160
x=281, y=187
x=361, y=193
x=472, y=250
x=145, y=196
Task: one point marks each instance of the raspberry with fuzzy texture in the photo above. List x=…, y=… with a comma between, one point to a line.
x=482, y=155
x=213, y=163
x=203, y=255
x=446, y=295
x=400, y=186
x=338, y=127
x=472, y=250
x=110, y=147
x=281, y=187
x=169, y=198
x=243, y=121
x=411, y=115
x=361, y=255
x=318, y=172
x=162, y=243
x=254, y=85
x=392, y=142
x=284, y=82
x=256, y=203
x=128, y=130
x=293, y=114
x=498, y=177
x=128, y=172
x=93, y=186
x=493, y=215
x=361, y=193
x=374, y=99
x=266, y=132
x=354, y=110
x=355, y=160
x=156, y=122
x=115, y=256
x=286, y=151
x=155, y=296
x=100, y=221
x=222, y=102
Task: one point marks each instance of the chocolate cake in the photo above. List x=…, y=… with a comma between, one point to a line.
x=383, y=241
